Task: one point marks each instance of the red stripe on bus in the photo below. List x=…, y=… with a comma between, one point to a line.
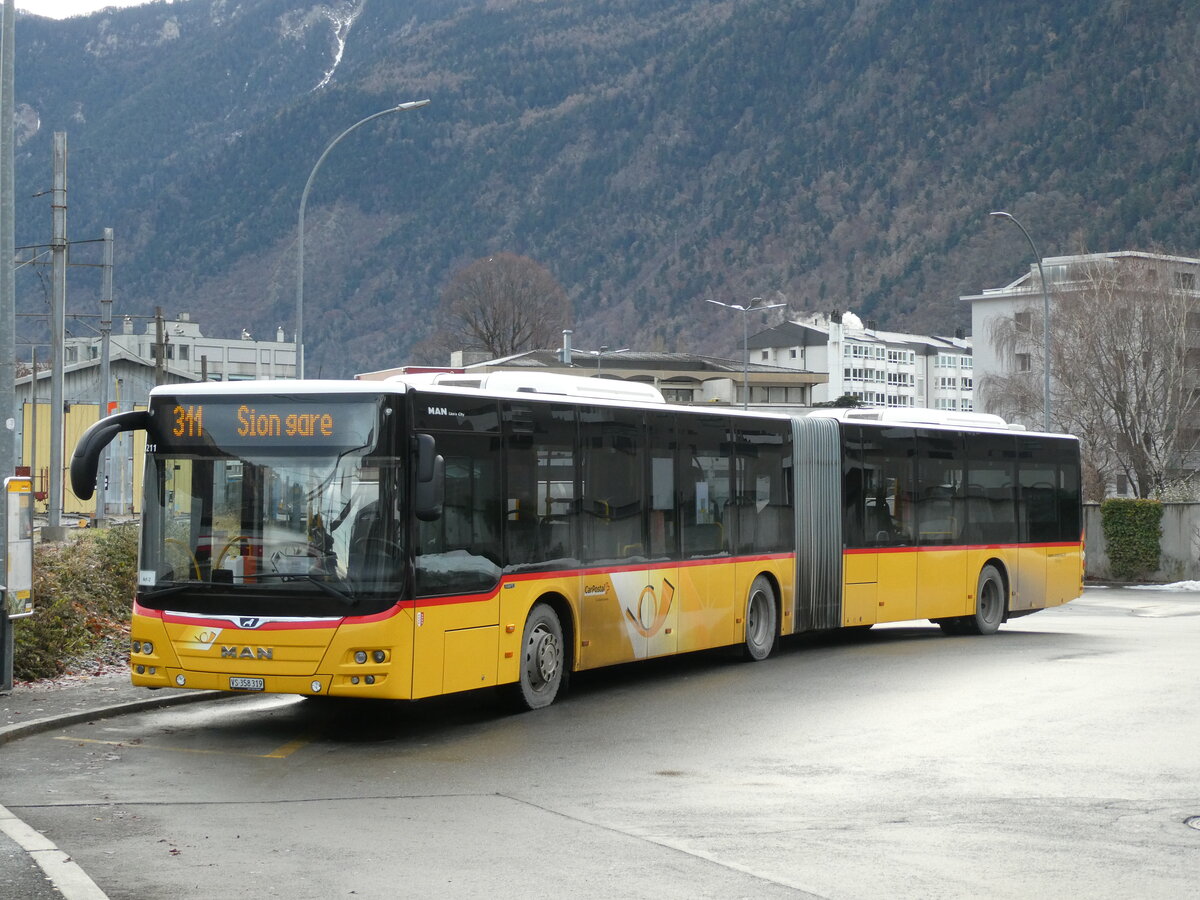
x=454, y=599
x=931, y=548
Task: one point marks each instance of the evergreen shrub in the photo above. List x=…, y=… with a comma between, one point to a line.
x=1133, y=531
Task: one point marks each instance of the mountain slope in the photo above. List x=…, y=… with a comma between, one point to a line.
x=650, y=153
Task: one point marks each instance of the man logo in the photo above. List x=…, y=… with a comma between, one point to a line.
x=247, y=652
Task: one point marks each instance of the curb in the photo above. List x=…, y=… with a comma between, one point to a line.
x=10, y=733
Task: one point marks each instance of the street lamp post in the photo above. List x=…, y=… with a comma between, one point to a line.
x=744, y=310
x=1045, y=319
x=413, y=104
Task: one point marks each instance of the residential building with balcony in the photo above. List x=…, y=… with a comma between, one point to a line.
x=876, y=367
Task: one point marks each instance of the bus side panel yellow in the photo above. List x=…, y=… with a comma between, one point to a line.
x=942, y=576
x=706, y=603
x=859, y=604
x=469, y=660
x=433, y=620
x=607, y=635
x=1029, y=581
x=1064, y=574
x=897, y=599
x=860, y=573
x=515, y=604
x=658, y=612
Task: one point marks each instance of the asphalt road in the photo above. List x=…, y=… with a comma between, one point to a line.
x=1055, y=759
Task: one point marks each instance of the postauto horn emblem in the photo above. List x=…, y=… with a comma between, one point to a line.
x=652, y=610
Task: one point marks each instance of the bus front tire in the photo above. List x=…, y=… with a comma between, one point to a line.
x=762, y=626
x=543, y=660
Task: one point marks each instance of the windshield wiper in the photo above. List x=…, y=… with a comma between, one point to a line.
x=328, y=588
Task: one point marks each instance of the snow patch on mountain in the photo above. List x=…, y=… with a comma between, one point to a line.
x=341, y=16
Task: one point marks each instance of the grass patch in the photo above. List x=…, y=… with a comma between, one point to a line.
x=82, y=598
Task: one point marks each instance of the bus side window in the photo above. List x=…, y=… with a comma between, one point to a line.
x=705, y=456
x=459, y=552
x=888, y=457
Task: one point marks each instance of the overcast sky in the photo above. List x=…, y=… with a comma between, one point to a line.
x=60, y=9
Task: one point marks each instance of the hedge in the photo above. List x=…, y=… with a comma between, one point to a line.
x=1133, y=530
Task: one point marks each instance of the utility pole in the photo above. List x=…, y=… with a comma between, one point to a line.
x=8, y=320
x=160, y=347
x=106, y=300
x=58, y=328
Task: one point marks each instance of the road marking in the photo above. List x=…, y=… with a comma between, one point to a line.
x=289, y=748
x=281, y=753
x=63, y=872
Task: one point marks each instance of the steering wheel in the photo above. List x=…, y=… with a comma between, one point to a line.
x=184, y=548
x=229, y=545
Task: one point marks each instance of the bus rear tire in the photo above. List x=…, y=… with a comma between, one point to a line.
x=762, y=627
x=991, y=600
x=543, y=660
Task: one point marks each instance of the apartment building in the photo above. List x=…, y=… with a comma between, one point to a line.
x=878, y=368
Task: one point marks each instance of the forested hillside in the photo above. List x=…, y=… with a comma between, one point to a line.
x=650, y=153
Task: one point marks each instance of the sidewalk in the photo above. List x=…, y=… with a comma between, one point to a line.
x=32, y=867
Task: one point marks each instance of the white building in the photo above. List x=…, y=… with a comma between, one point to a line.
x=1021, y=302
x=879, y=368
x=189, y=351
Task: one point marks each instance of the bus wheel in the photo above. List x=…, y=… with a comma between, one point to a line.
x=761, y=627
x=989, y=603
x=543, y=659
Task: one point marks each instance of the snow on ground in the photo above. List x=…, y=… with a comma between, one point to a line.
x=1176, y=586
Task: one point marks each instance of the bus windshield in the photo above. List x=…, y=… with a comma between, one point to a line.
x=263, y=527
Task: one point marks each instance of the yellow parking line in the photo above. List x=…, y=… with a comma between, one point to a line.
x=282, y=753
x=288, y=749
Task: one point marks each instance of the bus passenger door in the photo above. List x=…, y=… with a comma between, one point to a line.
x=941, y=525
x=708, y=599
x=890, y=518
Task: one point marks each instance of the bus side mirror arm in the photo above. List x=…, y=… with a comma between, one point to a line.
x=430, y=481
x=86, y=459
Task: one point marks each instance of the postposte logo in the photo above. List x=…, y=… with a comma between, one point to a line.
x=652, y=610
x=203, y=638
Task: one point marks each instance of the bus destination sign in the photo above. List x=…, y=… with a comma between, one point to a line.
x=193, y=423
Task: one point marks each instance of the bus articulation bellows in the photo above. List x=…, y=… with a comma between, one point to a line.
x=434, y=534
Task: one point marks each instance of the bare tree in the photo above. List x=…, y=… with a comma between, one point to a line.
x=1123, y=377
x=502, y=304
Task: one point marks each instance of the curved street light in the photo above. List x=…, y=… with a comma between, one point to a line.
x=1045, y=319
x=412, y=104
x=748, y=308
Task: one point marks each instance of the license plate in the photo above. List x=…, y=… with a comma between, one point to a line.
x=247, y=684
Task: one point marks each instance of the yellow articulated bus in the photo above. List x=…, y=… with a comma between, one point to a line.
x=439, y=533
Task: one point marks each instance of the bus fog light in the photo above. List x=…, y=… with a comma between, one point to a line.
x=360, y=656
x=141, y=670
x=180, y=680
x=137, y=646
x=379, y=656
x=354, y=679
x=316, y=687
x=370, y=679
